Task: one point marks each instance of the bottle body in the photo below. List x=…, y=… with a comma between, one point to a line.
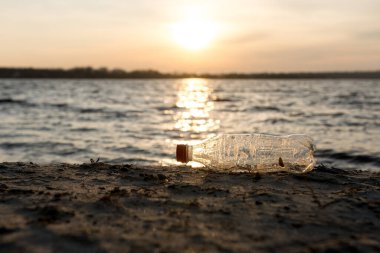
x=256, y=152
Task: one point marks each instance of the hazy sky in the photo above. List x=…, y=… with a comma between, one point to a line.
x=247, y=35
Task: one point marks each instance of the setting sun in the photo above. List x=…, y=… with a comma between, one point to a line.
x=194, y=33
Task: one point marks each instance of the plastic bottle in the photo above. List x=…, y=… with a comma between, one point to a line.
x=252, y=152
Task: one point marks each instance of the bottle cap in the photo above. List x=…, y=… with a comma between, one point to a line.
x=182, y=153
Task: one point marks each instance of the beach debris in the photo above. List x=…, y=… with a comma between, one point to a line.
x=281, y=162
x=92, y=160
x=252, y=153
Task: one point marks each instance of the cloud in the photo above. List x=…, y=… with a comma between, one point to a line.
x=246, y=38
x=368, y=34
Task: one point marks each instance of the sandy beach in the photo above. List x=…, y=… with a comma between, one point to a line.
x=127, y=208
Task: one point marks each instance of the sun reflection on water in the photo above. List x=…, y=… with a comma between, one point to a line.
x=193, y=118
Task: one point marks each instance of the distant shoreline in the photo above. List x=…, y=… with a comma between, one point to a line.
x=104, y=73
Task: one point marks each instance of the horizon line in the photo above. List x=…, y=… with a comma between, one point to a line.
x=190, y=72
x=104, y=72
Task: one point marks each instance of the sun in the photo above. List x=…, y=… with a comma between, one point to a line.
x=194, y=33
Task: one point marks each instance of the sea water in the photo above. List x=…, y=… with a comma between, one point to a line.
x=141, y=121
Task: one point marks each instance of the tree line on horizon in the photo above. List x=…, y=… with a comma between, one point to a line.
x=94, y=73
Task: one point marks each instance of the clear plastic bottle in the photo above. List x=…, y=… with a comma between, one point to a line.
x=252, y=152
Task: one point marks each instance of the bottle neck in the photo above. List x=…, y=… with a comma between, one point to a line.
x=190, y=152
x=184, y=153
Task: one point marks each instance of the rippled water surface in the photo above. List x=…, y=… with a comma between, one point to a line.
x=140, y=121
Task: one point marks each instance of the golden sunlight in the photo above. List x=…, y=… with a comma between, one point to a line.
x=196, y=105
x=194, y=32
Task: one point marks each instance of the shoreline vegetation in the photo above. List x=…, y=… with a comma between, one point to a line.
x=98, y=207
x=105, y=73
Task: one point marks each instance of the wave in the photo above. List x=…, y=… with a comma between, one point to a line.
x=57, y=148
x=90, y=110
x=357, y=159
x=274, y=121
x=83, y=129
x=224, y=99
x=166, y=108
x=67, y=107
x=22, y=102
x=263, y=108
x=326, y=114
x=130, y=149
x=106, y=113
x=9, y=100
x=58, y=105
x=14, y=101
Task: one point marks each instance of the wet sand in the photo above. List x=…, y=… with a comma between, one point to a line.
x=126, y=208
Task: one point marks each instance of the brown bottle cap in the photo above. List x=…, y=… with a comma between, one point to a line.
x=182, y=153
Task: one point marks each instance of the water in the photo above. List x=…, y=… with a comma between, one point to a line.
x=141, y=121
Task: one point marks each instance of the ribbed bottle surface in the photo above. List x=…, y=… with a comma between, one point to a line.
x=257, y=152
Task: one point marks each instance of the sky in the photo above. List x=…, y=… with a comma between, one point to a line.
x=192, y=36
